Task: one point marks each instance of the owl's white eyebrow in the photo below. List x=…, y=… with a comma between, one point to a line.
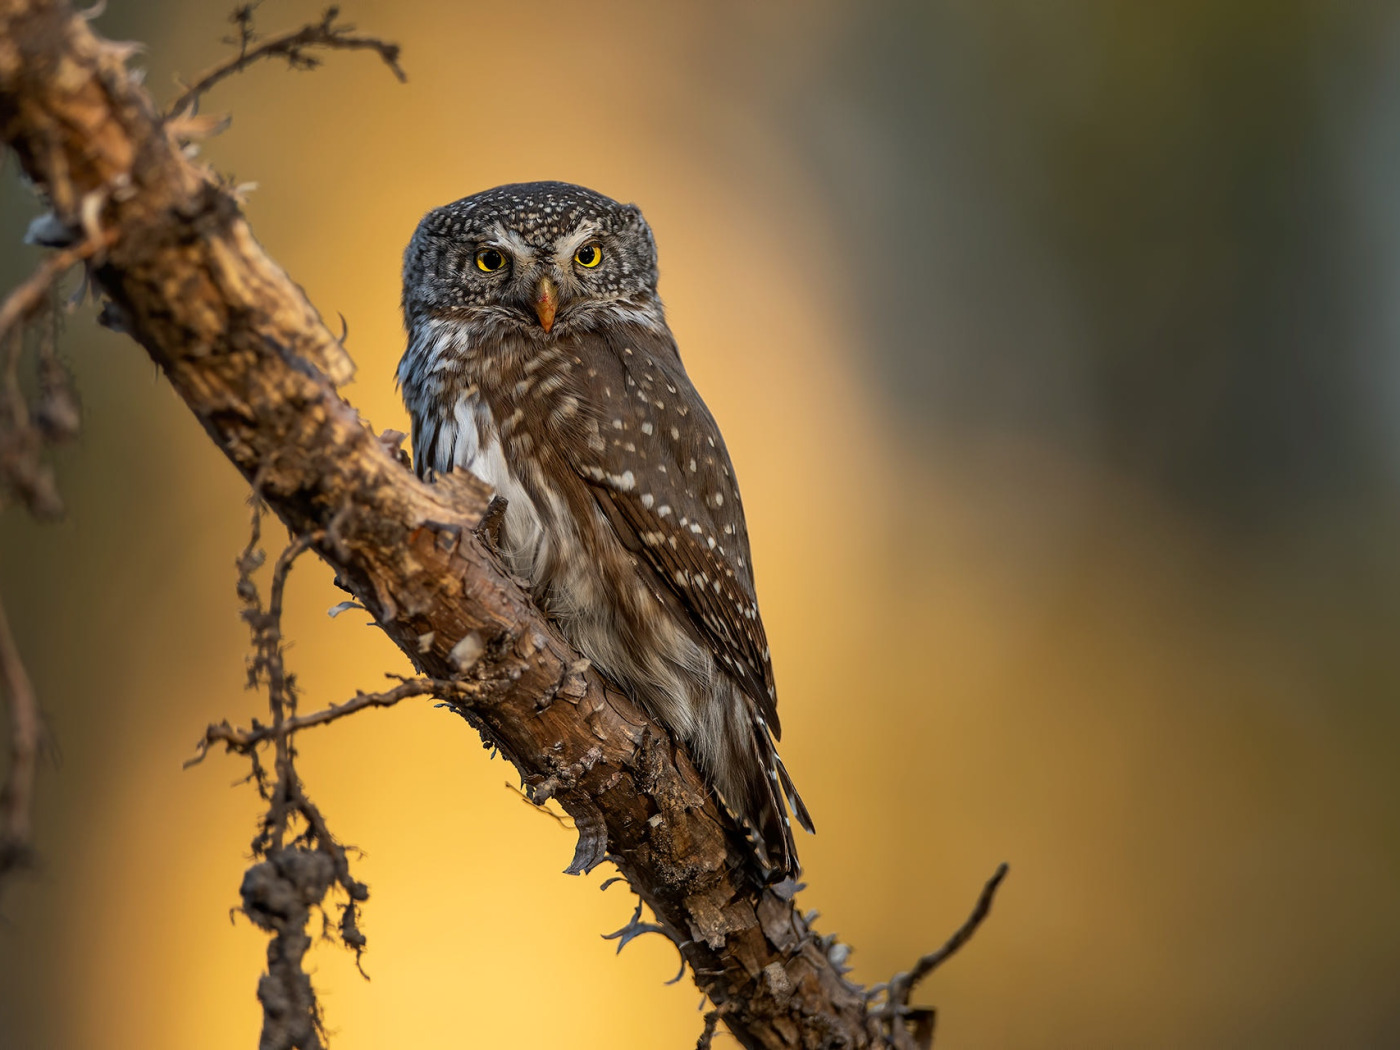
x=565, y=248
x=510, y=240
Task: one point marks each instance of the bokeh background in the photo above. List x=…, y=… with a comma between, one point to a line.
x=1058, y=349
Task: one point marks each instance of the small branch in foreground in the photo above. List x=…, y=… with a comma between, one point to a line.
x=245, y=741
x=293, y=46
x=26, y=733
x=896, y=1009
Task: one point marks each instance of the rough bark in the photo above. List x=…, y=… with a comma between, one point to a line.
x=252, y=359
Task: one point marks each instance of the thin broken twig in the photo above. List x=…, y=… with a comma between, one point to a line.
x=244, y=741
x=904, y=984
x=901, y=986
x=292, y=46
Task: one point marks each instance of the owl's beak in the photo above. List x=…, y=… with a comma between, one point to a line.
x=546, y=302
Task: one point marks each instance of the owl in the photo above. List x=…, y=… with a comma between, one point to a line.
x=539, y=359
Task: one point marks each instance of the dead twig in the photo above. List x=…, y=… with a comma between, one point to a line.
x=295, y=871
x=26, y=734
x=896, y=1010
x=245, y=741
x=293, y=46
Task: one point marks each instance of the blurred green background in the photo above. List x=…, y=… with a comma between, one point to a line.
x=1056, y=348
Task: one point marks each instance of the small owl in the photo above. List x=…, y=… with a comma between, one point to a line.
x=539, y=359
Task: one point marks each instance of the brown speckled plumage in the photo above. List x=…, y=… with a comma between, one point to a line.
x=622, y=507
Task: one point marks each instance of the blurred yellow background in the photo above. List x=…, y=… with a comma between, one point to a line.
x=1056, y=348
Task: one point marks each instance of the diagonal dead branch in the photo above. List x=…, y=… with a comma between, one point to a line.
x=294, y=46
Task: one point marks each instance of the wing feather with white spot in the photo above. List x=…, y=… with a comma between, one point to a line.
x=659, y=469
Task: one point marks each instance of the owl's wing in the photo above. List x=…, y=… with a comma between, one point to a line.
x=660, y=472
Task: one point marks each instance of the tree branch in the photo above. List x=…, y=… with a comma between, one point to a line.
x=293, y=46
x=896, y=1009
x=251, y=358
x=246, y=741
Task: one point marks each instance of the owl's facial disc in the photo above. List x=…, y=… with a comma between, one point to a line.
x=542, y=260
x=546, y=302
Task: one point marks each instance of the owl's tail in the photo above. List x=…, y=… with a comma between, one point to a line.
x=765, y=794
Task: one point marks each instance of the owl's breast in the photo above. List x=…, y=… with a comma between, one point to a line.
x=476, y=445
x=521, y=418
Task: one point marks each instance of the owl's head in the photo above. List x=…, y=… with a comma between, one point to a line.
x=536, y=257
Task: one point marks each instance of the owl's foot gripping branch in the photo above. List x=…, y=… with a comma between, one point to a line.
x=180, y=271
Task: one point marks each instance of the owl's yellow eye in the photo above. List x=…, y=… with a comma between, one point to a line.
x=490, y=260
x=590, y=255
